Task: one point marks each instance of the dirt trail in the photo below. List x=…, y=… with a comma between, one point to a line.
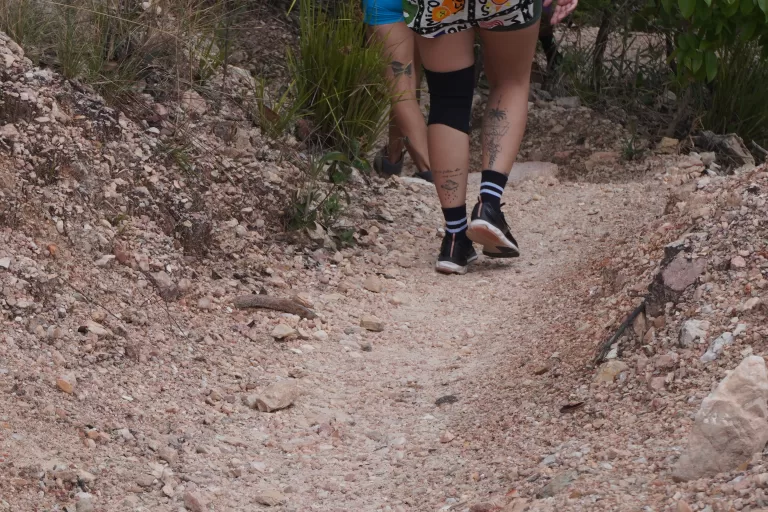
x=457, y=341
x=454, y=405
x=128, y=379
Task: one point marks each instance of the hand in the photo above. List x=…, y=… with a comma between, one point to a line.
x=562, y=9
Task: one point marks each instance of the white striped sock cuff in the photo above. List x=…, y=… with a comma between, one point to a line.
x=490, y=192
x=454, y=223
x=487, y=184
x=456, y=226
x=457, y=229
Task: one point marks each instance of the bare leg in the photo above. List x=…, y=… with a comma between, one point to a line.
x=448, y=147
x=406, y=121
x=508, y=57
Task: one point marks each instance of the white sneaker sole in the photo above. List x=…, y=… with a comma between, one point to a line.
x=492, y=239
x=446, y=267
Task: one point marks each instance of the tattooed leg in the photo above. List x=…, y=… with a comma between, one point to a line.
x=407, y=129
x=508, y=57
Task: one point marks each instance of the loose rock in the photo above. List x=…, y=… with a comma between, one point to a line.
x=194, y=502
x=67, y=383
x=269, y=497
x=371, y=323
x=716, y=347
x=557, y=484
x=277, y=396
x=610, y=370
x=693, y=331
x=373, y=284
x=731, y=425
x=284, y=332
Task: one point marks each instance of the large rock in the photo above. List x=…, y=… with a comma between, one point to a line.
x=672, y=281
x=731, y=425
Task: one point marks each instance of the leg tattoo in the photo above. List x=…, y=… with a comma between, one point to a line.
x=400, y=69
x=450, y=186
x=495, y=128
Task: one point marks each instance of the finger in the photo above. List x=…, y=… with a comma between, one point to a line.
x=547, y=3
x=570, y=7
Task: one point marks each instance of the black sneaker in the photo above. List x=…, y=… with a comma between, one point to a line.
x=455, y=254
x=383, y=166
x=488, y=228
x=426, y=175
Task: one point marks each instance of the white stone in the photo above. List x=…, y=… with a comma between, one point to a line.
x=731, y=425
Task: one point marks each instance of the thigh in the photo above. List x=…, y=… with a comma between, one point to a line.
x=400, y=52
x=449, y=52
x=508, y=54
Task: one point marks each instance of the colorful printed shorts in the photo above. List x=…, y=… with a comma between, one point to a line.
x=433, y=18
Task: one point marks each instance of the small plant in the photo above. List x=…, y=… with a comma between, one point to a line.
x=321, y=200
x=178, y=152
x=277, y=117
x=347, y=237
x=340, y=80
x=631, y=151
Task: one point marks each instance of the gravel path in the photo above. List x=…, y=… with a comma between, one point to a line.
x=454, y=405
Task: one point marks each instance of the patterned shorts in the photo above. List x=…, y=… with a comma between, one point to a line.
x=433, y=18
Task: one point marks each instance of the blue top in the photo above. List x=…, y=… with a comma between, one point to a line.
x=383, y=12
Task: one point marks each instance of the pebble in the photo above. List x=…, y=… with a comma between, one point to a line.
x=371, y=323
x=738, y=262
x=610, y=370
x=269, y=497
x=145, y=480
x=284, y=332
x=373, y=284
x=194, y=502
x=168, y=454
x=105, y=260
x=84, y=502
x=67, y=383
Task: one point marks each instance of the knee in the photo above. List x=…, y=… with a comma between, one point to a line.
x=450, y=97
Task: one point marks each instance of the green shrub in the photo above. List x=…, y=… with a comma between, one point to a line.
x=342, y=79
x=737, y=101
x=114, y=45
x=706, y=31
x=703, y=65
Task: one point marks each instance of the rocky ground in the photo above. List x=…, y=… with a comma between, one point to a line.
x=130, y=378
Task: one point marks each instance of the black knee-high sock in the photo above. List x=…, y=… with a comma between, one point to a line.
x=492, y=186
x=456, y=220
